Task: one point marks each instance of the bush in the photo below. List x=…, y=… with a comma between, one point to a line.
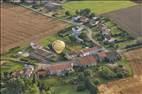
x=81, y=87
x=121, y=72
x=97, y=81
x=106, y=73
x=91, y=86
x=67, y=13
x=81, y=76
x=88, y=72
x=85, y=12
x=72, y=38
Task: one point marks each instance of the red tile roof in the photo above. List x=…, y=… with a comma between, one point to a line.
x=56, y=68
x=102, y=54
x=88, y=60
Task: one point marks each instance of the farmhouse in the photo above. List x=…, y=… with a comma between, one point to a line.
x=60, y=69
x=87, y=61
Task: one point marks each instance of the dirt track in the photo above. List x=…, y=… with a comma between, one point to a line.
x=20, y=25
x=129, y=19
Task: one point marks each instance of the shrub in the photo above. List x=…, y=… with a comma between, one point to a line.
x=81, y=87
x=67, y=13
x=97, y=81
x=106, y=73
x=88, y=72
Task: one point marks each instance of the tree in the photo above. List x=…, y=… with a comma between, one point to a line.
x=14, y=86
x=81, y=87
x=106, y=72
x=121, y=71
x=77, y=12
x=91, y=86
x=81, y=77
x=92, y=15
x=2, y=75
x=32, y=90
x=97, y=81
x=88, y=72
x=85, y=12
x=67, y=13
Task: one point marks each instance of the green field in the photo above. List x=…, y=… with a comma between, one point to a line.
x=99, y=7
x=68, y=89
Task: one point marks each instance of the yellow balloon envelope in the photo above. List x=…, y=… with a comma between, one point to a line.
x=58, y=46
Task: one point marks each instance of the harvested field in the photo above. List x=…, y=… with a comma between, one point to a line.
x=135, y=59
x=20, y=25
x=131, y=85
x=128, y=19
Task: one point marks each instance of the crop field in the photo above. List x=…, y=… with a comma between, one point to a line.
x=20, y=25
x=131, y=85
x=128, y=19
x=98, y=6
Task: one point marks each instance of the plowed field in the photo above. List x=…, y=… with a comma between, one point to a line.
x=20, y=25
x=128, y=19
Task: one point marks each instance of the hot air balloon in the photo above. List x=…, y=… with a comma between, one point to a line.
x=58, y=46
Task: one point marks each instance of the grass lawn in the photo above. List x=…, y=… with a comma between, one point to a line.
x=68, y=89
x=10, y=66
x=70, y=46
x=59, y=86
x=122, y=45
x=99, y=7
x=52, y=82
